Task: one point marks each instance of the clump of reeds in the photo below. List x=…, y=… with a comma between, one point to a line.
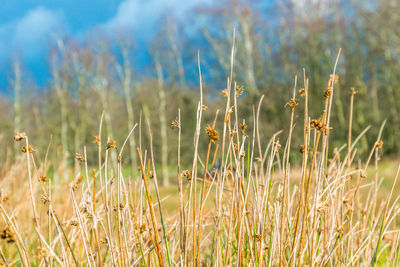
x=250, y=211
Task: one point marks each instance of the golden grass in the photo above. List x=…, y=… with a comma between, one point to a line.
x=256, y=209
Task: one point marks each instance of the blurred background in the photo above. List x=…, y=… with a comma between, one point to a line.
x=62, y=63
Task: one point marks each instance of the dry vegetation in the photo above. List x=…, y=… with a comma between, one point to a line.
x=251, y=209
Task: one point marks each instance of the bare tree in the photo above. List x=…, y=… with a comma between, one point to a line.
x=17, y=97
x=173, y=41
x=163, y=122
x=59, y=85
x=125, y=75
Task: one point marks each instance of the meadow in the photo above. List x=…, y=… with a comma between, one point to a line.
x=238, y=134
x=241, y=202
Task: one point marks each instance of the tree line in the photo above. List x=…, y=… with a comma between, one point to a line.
x=274, y=43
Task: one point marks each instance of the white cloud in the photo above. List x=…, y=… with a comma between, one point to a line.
x=142, y=15
x=29, y=34
x=36, y=25
x=127, y=16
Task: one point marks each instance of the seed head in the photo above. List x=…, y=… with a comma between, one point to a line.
x=225, y=92
x=302, y=92
x=292, y=103
x=317, y=124
x=30, y=149
x=175, y=124
x=43, y=178
x=328, y=92
x=111, y=144
x=212, y=134
x=276, y=146
x=239, y=90
x=363, y=174
x=96, y=139
x=379, y=144
x=243, y=127
x=75, y=183
x=45, y=198
x=7, y=235
x=335, y=78
x=73, y=222
x=303, y=149
x=187, y=174
x=322, y=206
x=364, y=212
x=258, y=237
x=19, y=136
x=121, y=207
x=79, y=157
x=3, y=197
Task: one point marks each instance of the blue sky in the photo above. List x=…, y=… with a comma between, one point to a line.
x=27, y=27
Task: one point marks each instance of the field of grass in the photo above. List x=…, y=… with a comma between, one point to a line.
x=255, y=209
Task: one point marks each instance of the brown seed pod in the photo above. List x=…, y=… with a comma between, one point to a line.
x=243, y=127
x=79, y=157
x=187, y=174
x=175, y=124
x=322, y=206
x=43, y=178
x=239, y=90
x=7, y=235
x=335, y=78
x=104, y=240
x=111, y=144
x=225, y=92
x=276, y=146
x=75, y=183
x=328, y=92
x=31, y=149
x=73, y=222
x=292, y=103
x=96, y=139
x=19, y=136
x=212, y=134
x=45, y=198
x=317, y=124
x=379, y=144
x=4, y=197
x=258, y=237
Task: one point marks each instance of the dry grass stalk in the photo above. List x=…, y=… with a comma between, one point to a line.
x=246, y=213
